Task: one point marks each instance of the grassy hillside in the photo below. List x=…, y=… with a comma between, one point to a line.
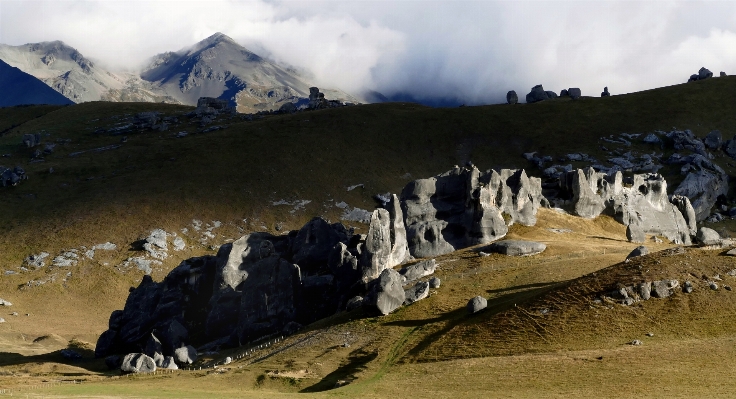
x=235, y=175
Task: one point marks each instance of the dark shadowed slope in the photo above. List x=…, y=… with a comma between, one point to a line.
x=18, y=87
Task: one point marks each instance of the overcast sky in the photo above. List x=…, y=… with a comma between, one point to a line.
x=472, y=51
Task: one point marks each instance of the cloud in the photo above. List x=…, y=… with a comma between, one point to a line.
x=466, y=51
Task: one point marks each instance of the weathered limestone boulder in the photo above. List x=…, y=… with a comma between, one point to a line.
x=605, y=92
x=664, y=288
x=638, y=251
x=316, y=99
x=723, y=74
x=564, y=93
x=464, y=207
x=211, y=102
x=517, y=247
x=551, y=94
x=11, y=177
x=713, y=140
x=434, y=282
x=686, y=140
x=644, y=204
x=31, y=140
x=729, y=147
x=419, y=291
x=708, y=237
x=688, y=212
x=511, y=97
x=386, y=245
x=386, y=293
x=703, y=188
x=185, y=355
x=704, y=73
x=418, y=270
x=169, y=364
x=574, y=93
x=537, y=94
x=287, y=108
x=477, y=304
x=137, y=363
x=634, y=233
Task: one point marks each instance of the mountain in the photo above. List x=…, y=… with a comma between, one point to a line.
x=68, y=72
x=220, y=67
x=18, y=87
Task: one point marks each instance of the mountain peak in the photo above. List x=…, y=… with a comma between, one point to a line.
x=217, y=38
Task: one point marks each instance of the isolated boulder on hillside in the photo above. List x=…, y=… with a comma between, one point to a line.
x=517, y=247
x=574, y=93
x=537, y=94
x=707, y=236
x=704, y=73
x=713, y=140
x=31, y=140
x=605, y=92
x=511, y=97
x=477, y=304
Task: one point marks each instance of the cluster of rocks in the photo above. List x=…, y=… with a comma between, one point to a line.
x=630, y=294
x=465, y=207
x=12, y=177
x=702, y=74
x=317, y=100
x=538, y=93
x=263, y=284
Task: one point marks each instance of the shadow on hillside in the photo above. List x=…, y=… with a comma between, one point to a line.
x=355, y=363
x=607, y=238
x=451, y=319
x=87, y=362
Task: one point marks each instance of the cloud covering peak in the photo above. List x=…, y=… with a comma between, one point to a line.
x=465, y=51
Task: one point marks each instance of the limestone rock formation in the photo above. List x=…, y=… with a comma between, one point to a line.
x=417, y=270
x=477, y=304
x=574, y=93
x=605, y=92
x=511, y=97
x=644, y=204
x=385, y=292
x=713, y=140
x=707, y=237
x=517, y=247
x=419, y=291
x=137, y=363
x=537, y=94
x=464, y=207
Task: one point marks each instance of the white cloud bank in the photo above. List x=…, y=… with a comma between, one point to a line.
x=470, y=51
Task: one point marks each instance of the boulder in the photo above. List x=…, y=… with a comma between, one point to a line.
x=169, y=364
x=385, y=245
x=723, y=74
x=693, y=78
x=418, y=270
x=638, y=251
x=418, y=292
x=703, y=187
x=704, y=73
x=477, y=304
x=713, y=140
x=686, y=140
x=287, y=108
x=155, y=244
x=31, y=140
x=434, y=282
x=564, y=93
x=551, y=94
x=634, y=233
x=574, y=93
x=185, y=355
x=517, y=247
x=385, y=293
x=644, y=290
x=652, y=138
x=3, y=302
x=153, y=347
x=605, y=92
x=664, y=288
x=511, y=97
x=708, y=237
x=137, y=363
x=214, y=103
x=537, y=94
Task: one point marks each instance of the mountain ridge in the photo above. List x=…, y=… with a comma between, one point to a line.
x=20, y=88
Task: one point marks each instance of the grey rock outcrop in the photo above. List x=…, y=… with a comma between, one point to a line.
x=287, y=108
x=185, y=355
x=416, y=293
x=169, y=364
x=155, y=244
x=664, y=288
x=434, y=282
x=551, y=94
x=704, y=73
x=417, y=270
x=638, y=251
x=385, y=292
x=385, y=245
x=517, y=247
x=3, y=302
x=511, y=97
x=708, y=237
x=31, y=140
x=11, y=177
x=713, y=140
x=137, y=363
x=634, y=233
x=605, y=92
x=477, y=304
x=644, y=204
x=564, y=93
x=723, y=74
x=574, y=93
x=537, y=94
x=464, y=207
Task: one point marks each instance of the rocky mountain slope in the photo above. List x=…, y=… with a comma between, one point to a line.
x=18, y=87
x=76, y=77
x=221, y=68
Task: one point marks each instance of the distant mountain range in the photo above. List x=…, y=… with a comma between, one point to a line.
x=18, y=87
x=215, y=67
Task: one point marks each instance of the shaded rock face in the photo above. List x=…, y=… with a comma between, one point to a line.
x=574, y=93
x=537, y=94
x=385, y=245
x=511, y=97
x=644, y=204
x=465, y=207
x=385, y=292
